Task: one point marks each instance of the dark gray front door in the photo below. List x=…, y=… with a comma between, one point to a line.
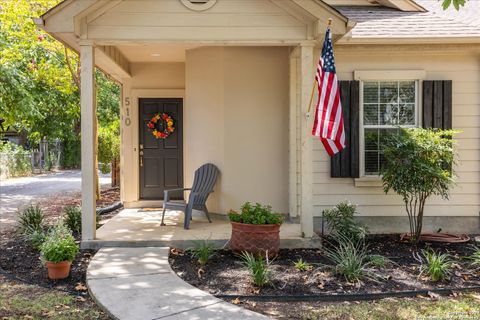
x=161, y=160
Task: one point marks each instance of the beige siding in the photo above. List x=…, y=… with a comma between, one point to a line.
x=171, y=20
x=463, y=69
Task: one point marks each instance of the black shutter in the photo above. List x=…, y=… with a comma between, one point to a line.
x=345, y=164
x=437, y=104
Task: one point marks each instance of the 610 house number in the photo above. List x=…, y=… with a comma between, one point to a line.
x=127, y=110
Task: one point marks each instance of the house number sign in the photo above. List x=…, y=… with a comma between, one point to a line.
x=127, y=111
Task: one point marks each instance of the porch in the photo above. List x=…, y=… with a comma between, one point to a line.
x=141, y=228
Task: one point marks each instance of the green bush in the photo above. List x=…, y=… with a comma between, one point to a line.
x=301, y=265
x=259, y=268
x=257, y=214
x=105, y=168
x=418, y=164
x=349, y=257
x=59, y=245
x=36, y=237
x=202, y=251
x=71, y=155
x=15, y=161
x=31, y=219
x=378, y=261
x=340, y=222
x=475, y=256
x=437, y=265
x=73, y=219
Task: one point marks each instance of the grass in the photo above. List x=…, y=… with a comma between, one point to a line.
x=21, y=301
x=259, y=268
x=420, y=308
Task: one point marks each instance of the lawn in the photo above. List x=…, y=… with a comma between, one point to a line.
x=22, y=301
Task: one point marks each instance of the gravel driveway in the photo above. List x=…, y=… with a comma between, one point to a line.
x=17, y=193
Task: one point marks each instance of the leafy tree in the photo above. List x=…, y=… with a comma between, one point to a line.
x=419, y=164
x=456, y=3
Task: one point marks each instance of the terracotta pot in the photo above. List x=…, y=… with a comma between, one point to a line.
x=58, y=270
x=255, y=238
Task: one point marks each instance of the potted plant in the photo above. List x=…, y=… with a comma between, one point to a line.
x=58, y=251
x=256, y=229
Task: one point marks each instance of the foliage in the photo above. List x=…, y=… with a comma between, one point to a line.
x=71, y=155
x=109, y=142
x=419, y=163
x=341, y=222
x=31, y=219
x=437, y=265
x=377, y=260
x=259, y=268
x=301, y=265
x=14, y=160
x=39, y=80
x=202, y=251
x=73, y=219
x=36, y=237
x=475, y=256
x=59, y=245
x=349, y=257
x=257, y=214
x=456, y=3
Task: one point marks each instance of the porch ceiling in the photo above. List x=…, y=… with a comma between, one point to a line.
x=155, y=52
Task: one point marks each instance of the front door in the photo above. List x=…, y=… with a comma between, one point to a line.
x=161, y=160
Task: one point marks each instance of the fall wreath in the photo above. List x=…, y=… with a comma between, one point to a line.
x=154, y=125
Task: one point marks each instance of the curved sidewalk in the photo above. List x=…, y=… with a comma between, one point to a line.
x=138, y=284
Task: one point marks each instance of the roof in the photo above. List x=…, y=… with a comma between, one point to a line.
x=392, y=24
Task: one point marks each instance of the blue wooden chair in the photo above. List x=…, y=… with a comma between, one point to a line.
x=203, y=182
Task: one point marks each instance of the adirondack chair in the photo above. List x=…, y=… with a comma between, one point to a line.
x=203, y=182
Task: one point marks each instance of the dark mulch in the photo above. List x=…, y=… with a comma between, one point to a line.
x=19, y=259
x=224, y=273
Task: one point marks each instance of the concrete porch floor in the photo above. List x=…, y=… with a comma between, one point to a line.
x=141, y=228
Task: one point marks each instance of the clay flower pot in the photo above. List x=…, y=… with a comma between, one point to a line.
x=58, y=270
x=256, y=239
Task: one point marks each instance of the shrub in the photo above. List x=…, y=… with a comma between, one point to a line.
x=437, y=265
x=301, y=265
x=418, y=164
x=73, y=219
x=259, y=268
x=349, y=257
x=59, y=245
x=14, y=160
x=105, y=168
x=340, y=222
x=257, y=214
x=31, y=219
x=202, y=251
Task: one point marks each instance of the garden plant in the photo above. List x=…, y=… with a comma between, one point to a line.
x=203, y=250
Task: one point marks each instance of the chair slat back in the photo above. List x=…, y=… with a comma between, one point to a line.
x=204, y=181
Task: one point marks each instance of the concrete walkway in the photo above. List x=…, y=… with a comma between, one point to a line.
x=138, y=283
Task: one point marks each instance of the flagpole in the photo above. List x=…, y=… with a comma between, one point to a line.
x=307, y=115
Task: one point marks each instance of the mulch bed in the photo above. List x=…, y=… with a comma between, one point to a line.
x=20, y=260
x=225, y=275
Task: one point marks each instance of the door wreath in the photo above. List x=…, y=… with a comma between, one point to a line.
x=154, y=125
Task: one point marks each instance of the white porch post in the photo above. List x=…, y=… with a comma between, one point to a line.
x=88, y=114
x=304, y=82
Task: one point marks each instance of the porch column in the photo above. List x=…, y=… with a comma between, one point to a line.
x=88, y=114
x=304, y=84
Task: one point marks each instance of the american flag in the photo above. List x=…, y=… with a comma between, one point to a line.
x=328, y=124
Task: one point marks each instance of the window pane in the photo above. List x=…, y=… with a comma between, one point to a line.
x=389, y=92
x=370, y=114
x=370, y=92
x=371, y=139
x=407, y=114
x=389, y=114
x=371, y=162
x=407, y=92
x=381, y=160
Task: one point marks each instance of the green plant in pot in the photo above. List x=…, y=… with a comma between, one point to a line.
x=58, y=251
x=255, y=229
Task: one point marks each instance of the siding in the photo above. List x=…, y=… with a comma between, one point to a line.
x=463, y=69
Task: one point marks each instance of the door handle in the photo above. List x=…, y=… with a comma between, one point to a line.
x=141, y=158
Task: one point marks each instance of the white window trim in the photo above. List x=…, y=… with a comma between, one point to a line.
x=384, y=75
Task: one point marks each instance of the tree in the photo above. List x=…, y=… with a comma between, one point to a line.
x=419, y=163
x=456, y=3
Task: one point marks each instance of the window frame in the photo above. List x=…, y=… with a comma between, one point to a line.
x=384, y=76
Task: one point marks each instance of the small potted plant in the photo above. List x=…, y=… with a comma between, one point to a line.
x=58, y=251
x=256, y=229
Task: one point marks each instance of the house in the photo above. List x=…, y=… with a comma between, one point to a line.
x=236, y=77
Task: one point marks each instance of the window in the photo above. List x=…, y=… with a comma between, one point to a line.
x=387, y=105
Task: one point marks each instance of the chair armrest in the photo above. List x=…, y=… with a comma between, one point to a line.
x=166, y=195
